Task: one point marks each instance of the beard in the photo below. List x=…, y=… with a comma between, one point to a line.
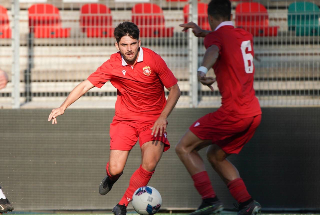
x=132, y=56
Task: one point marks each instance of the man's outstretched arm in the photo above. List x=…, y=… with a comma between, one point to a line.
x=196, y=30
x=75, y=94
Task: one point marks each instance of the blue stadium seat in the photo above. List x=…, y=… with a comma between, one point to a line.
x=303, y=18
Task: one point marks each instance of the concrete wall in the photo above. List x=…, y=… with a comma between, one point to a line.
x=46, y=167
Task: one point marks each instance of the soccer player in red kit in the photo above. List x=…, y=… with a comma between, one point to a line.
x=141, y=109
x=230, y=53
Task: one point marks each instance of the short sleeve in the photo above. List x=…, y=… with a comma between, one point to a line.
x=213, y=38
x=101, y=75
x=165, y=74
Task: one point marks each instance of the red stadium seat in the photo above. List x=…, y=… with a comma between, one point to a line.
x=45, y=22
x=150, y=20
x=96, y=20
x=253, y=17
x=202, y=15
x=5, y=30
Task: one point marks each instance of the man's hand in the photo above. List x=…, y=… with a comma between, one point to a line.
x=196, y=30
x=3, y=79
x=207, y=81
x=75, y=94
x=54, y=113
x=160, y=126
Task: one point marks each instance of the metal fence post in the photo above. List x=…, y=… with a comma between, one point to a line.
x=15, y=10
x=193, y=54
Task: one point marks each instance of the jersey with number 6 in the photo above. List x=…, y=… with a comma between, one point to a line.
x=234, y=70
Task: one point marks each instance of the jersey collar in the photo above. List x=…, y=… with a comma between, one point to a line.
x=224, y=24
x=140, y=57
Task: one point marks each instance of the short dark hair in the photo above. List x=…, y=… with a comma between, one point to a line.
x=126, y=29
x=220, y=9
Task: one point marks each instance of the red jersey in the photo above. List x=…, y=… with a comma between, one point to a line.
x=234, y=70
x=140, y=88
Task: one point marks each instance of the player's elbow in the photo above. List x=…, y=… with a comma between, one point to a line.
x=86, y=86
x=176, y=90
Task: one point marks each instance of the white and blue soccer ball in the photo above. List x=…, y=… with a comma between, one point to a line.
x=146, y=200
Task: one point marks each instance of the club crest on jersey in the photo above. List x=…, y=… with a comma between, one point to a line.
x=146, y=70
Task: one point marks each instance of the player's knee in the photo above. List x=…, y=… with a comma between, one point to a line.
x=212, y=159
x=215, y=156
x=149, y=166
x=180, y=149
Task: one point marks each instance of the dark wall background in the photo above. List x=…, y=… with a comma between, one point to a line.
x=48, y=167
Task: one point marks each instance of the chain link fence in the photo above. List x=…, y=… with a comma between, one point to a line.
x=63, y=41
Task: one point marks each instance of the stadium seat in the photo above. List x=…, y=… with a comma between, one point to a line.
x=303, y=18
x=202, y=15
x=96, y=20
x=45, y=22
x=5, y=30
x=253, y=17
x=150, y=20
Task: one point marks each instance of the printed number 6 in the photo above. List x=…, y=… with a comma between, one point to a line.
x=247, y=57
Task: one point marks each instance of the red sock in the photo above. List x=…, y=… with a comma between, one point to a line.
x=140, y=178
x=203, y=185
x=112, y=177
x=238, y=190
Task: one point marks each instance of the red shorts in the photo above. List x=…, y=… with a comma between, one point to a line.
x=228, y=132
x=125, y=134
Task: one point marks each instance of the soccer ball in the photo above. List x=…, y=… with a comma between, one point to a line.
x=146, y=200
